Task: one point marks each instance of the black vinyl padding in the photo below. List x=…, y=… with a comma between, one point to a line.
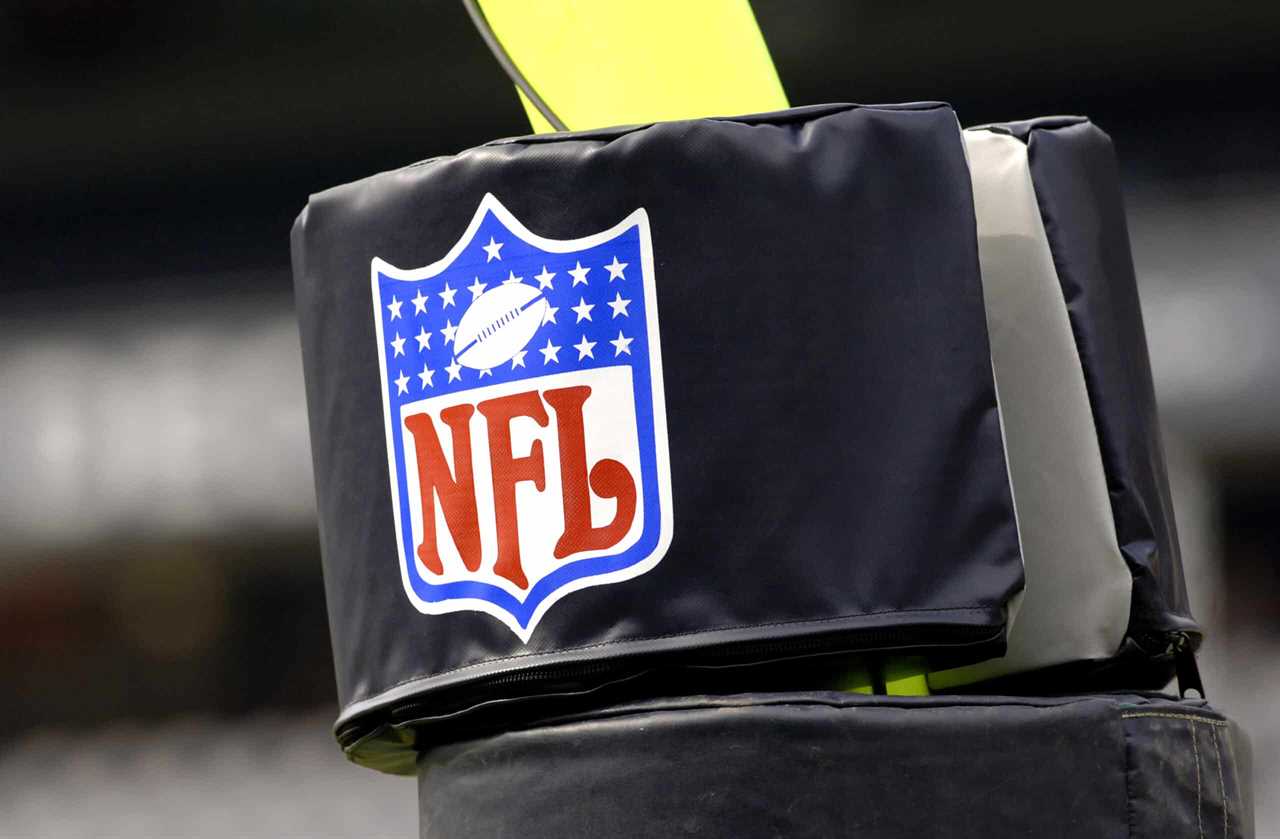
x=1077, y=184
x=1110, y=766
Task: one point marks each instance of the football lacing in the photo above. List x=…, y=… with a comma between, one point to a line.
x=495, y=325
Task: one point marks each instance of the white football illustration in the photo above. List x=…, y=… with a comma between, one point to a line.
x=498, y=325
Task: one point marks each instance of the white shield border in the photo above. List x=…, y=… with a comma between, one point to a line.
x=639, y=218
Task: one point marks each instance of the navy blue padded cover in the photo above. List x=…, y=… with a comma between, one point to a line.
x=837, y=478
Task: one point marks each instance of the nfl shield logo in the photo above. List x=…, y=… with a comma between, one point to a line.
x=526, y=427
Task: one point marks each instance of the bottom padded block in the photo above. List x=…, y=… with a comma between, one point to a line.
x=823, y=764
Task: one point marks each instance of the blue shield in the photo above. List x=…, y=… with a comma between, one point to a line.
x=525, y=421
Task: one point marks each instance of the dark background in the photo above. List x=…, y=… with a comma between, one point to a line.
x=160, y=594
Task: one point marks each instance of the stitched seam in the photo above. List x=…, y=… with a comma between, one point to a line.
x=753, y=704
x=1190, y=717
x=1128, y=776
x=1235, y=768
x=799, y=115
x=1222, y=782
x=486, y=661
x=1196, y=751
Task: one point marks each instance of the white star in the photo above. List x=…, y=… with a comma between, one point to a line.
x=550, y=316
x=448, y=331
x=394, y=307
x=402, y=383
x=491, y=250
x=476, y=288
x=584, y=348
x=447, y=295
x=455, y=371
x=485, y=372
x=550, y=352
x=426, y=375
x=582, y=310
x=423, y=338
x=517, y=360
x=511, y=278
x=398, y=343
x=615, y=269
x=621, y=345
x=619, y=305
x=544, y=279
x=419, y=303
x=579, y=273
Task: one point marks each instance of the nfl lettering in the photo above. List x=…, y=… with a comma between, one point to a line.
x=525, y=420
x=457, y=496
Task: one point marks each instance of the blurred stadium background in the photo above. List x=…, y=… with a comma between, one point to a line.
x=163, y=640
